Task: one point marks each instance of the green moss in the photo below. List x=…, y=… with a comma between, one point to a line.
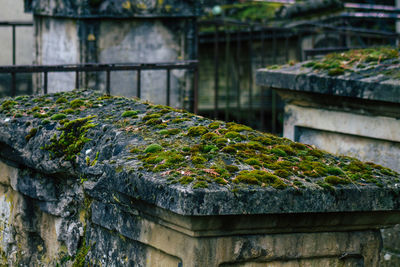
x=153, y=148
x=200, y=184
x=316, y=153
x=72, y=138
x=130, y=113
x=334, y=170
x=154, y=121
x=80, y=256
x=214, y=125
x=61, y=100
x=209, y=148
x=197, y=131
x=237, y=127
x=186, y=180
x=339, y=63
x=179, y=120
x=8, y=104
x=40, y=115
x=335, y=180
x=174, y=131
x=336, y=71
x=279, y=152
x=298, y=146
x=282, y=173
x=45, y=121
x=69, y=111
x=151, y=116
x=229, y=149
x=232, y=135
x=31, y=134
x=76, y=103
x=253, y=161
x=287, y=149
x=59, y=116
x=209, y=136
x=198, y=160
x=259, y=177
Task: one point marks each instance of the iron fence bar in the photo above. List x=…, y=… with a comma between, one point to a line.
x=238, y=77
x=77, y=79
x=273, y=111
x=287, y=48
x=251, y=70
x=14, y=41
x=88, y=67
x=168, y=86
x=262, y=48
x=45, y=82
x=108, y=82
x=227, y=86
x=15, y=23
x=216, y=63
x=196, y=91
x=274, y=47
x=138, y=84
x=13, y=84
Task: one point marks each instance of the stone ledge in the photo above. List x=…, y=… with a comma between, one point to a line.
x=365, y=74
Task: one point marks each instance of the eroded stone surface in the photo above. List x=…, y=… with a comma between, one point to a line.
x=114, y=181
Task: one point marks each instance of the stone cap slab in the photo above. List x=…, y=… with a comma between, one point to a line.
x=124, y=150
x=113, y=8
x=371, y=74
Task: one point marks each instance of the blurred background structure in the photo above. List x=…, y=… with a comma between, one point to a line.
x=230, y=40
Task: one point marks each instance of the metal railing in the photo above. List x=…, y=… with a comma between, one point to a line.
x=108, y=68
x=14, y=25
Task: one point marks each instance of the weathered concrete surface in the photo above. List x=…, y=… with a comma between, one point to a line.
x=114, y=8
x=64, y=36
x=372, y=83
x=370, y=138
x=143, y=41
x=354, y=111
x=56, y=42
x=103, y=204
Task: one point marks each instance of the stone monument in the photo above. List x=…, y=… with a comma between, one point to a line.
x=346, y=103
x=94, y=180
x=116, y=31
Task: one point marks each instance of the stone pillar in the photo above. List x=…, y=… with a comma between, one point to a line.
x=117, y=31
x=398, y=22
x=356, y=114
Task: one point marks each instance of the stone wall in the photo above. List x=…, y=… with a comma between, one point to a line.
x=89, y=179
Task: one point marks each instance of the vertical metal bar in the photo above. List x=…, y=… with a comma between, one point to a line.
x=274, y=47
x=262, y=47
x=227, y=62
x=45, y=83
x=77, y=80
x=238, y=76
x=262, y=109
x=168, y=86
x=286, y=47
x=196, y=90
x=273, y=119
x=251, y=70
x=216, y=78
x=13, y=84
x=14, y=41
x=138, y=83
x=108, y=82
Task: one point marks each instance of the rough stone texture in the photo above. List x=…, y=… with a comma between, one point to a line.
x=105, y=207
x=147, y=39
x=355, y=113
x=370, y=84
x=114, y=8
